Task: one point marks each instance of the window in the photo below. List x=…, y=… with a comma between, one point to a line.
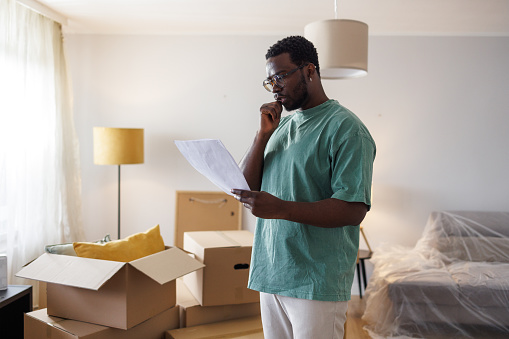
x=40, y=189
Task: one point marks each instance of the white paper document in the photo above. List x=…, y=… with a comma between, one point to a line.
x=212, y=159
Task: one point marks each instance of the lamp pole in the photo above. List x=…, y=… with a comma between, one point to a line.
x=118, y=146
x=118, y=202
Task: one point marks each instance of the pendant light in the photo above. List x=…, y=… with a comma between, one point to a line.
x=342, y=46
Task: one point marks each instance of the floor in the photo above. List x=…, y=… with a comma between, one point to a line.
x=354, y=323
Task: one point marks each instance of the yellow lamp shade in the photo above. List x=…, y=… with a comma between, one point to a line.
x=118, y=146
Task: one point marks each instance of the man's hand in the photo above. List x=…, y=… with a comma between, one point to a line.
x=262, y=204
x=327, y=213
x=270, y=117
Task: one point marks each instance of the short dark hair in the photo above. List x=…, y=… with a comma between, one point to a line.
x=299, y=48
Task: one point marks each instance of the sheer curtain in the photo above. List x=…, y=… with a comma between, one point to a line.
x=40, y=181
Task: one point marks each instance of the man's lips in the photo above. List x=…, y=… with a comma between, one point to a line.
x=279, y=98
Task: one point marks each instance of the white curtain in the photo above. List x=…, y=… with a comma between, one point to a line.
x=40, y=181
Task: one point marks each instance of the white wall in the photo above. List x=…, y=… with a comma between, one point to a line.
x=436, y=106
x=174, y=88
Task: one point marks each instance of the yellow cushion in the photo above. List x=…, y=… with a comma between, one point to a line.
x=131, y=248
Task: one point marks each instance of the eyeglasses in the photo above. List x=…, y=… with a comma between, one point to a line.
x=278, y=79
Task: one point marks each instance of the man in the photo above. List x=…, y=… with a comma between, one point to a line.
x=310, y=179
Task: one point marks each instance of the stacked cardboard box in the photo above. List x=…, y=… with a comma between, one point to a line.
x=39, y=325
x=244, y=328
x=226, y=256
x=194, y=314
x=218, y=292
x=117, y=295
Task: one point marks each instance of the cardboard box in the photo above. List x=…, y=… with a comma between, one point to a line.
x=246, y=328
x=39, y=325
x=205, y=211
x=110, y=293
x=227, y=256
x=193, y=314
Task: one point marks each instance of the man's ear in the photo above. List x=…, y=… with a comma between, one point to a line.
x=310, y=70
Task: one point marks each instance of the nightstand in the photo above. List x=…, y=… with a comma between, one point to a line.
x=15, y=301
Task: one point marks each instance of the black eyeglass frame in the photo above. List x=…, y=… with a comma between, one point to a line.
x=278, y=79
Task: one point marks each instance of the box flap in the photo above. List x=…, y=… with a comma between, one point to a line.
x=243, y=238
x=43, y=316
x=71, y=271
x=167, y=265
x=219, y=239
x=75, y=328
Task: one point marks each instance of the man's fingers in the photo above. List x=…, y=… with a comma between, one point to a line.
x=240, y=195
x=245, y=197
x=270, y=113
x=273, y=109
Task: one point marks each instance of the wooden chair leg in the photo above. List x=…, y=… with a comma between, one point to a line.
x=359, y=279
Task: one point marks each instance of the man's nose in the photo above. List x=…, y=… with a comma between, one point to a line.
x=276, y=88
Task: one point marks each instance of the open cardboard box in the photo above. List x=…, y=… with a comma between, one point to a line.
x=39, y=325
x=227, y=256
x=110, y=293
x=193, y=314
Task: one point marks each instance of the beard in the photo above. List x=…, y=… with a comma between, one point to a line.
x=299, y=96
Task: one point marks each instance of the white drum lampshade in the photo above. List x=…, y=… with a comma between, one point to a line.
x=342, y=47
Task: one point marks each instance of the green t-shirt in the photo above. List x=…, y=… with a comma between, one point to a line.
x=320, y=153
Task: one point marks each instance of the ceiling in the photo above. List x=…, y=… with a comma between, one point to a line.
x=274, y=17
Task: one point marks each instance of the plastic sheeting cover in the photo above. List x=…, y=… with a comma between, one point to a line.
x=454, y=282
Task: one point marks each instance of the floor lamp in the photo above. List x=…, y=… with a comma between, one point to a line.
x=118, y=146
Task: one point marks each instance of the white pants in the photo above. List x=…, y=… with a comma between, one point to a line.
x=287, y=318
